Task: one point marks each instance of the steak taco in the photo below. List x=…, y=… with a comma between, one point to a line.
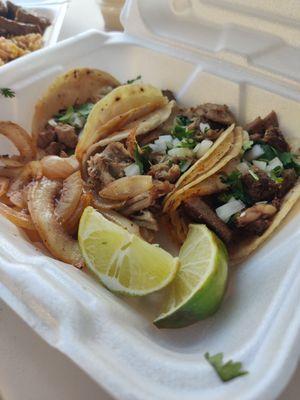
x=246, y=199
x=132, y=170
x=60, y=115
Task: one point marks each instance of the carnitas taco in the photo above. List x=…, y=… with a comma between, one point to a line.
x=246, y=199
x=132, y=170
x=61, y=113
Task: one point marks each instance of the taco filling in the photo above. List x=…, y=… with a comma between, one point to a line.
x=150, y=164
x=60, y=135
x=254, y=190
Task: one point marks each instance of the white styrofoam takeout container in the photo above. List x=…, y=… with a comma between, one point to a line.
x=54, y=10
x=205, y=51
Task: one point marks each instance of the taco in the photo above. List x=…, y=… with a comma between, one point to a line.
x=246, y=199
x=132, y=170
x=60, y=115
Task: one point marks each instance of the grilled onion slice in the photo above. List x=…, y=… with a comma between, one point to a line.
x=70, y=196
x=127, y=187
x=18, y=218
x=55, y=167
x=20, y=138
x=41, y=197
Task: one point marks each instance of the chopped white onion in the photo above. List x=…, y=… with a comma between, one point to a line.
x=274, y=164
x=158, y=147
x=132, y=169
x=186, y=165
x=260, y=164
x=227, y=210
x=254, y=153
x=165, y=139
x=243, y=167
x=203, y=127
x=52, y=122
x=181, y=152
x=201, y=148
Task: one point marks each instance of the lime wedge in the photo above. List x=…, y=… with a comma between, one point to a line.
x=123, y=262
x=199, y=285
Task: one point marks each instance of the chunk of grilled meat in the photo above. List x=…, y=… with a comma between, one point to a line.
x=275, y=138
x=256, y=219
x=263, y=189
x=199, y=211
x=165, y=172
x=259, y=125
x=109, y=165
x=212, y=113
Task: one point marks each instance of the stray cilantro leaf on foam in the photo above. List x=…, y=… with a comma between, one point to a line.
x=134, y=80
x=226, y=371
x=141, y=158
x=7, y=92
x=234, y=181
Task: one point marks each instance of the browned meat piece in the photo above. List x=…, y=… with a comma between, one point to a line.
x=3, y=9
x=12, y=9
x=255, y=213
x=66, y=134
x=256, y=127
x=212, y=113
x=212, y=134
x=164, y=172
x=276, y=202
x=263, y=189
x=30, y=18
x=169, y=94
x=17, y=28
x=274, y=137
x=271, y=120
x=289, y=180
x=143, y=140
x=109, y=165
x=46, y=137
x=256, y=137
x=199, y=211
x=55, y=148
x=146, y=220
x=257, y=227
x=259, y=125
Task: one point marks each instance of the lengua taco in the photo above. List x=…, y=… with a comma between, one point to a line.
x=61, y=113
x=244, y=200
x=140, y=157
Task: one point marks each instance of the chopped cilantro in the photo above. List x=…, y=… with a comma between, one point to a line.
x=134, y=80
x=224, y=197
x=247, y=145
x=234, y=181
x=276, y=173
x=288, y=159
x=188, y=143
x=182, y=120
x=226, y=371
x=253, y=174
x=141, y=158
x=7, y=92
x=75, y=116
x=66, y=117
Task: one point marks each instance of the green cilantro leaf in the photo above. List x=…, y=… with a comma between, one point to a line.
x=85, y=109
x=226, y=371
x=6, y=92
x=182, y=120
x=141, y=158
x=254, y=175
x=134, y=80
x=269, y=153
x=66, y=116
x=236, y=189
x=189, y=143
x=224, y=197
x=247, y=145
x=276, y=173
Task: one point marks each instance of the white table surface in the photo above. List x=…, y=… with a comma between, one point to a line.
x=29, y=368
